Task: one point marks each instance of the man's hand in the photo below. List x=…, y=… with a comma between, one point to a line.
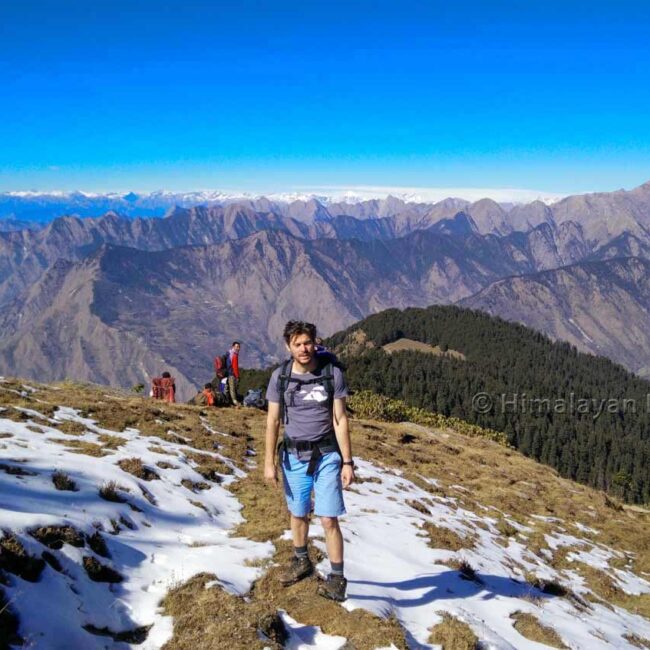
x=347, y=476
x=270, y=473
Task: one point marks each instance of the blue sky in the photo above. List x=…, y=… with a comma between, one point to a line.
x=270, y=96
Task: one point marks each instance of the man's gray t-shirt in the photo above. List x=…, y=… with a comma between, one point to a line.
x=307, y=408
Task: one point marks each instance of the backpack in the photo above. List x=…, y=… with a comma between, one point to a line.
x=255, y=398
x=163, y=388
x=156, y=388
x=221, y=365
x=326, y=379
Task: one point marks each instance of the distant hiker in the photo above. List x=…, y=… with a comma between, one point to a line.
x=208, y=395
x=233, y=372
x=164, y=388
x=308, y=397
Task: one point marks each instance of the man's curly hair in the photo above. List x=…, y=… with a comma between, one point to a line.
x=297, y=327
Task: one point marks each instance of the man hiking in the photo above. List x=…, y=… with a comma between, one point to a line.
x=233, y=372
x=307, y=394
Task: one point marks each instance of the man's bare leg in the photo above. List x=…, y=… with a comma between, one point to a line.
x=299, y=530
x=333, y=539
x=335, y=586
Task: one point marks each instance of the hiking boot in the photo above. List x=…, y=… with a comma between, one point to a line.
x=297, y=569
x=333, y=588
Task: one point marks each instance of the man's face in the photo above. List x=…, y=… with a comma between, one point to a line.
x=236, y=347
x=301, y=347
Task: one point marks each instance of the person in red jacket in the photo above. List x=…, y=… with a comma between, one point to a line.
x=233, y=371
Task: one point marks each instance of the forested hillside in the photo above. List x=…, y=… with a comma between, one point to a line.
x=583, y=415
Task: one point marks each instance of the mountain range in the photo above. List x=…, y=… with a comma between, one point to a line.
x=116, y=298
x=34, y=209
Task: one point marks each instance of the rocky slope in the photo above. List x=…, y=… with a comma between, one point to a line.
x=121, y=313
x=600, y=307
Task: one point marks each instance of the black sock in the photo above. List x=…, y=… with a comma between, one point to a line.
x=301, y=551
x=337, y=568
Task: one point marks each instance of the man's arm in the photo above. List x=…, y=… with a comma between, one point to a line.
x=271, y=441
x=342, y=431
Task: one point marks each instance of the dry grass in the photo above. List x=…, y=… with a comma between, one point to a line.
x=135, y=636
x=136, y=467
x=445, y=538
x=62, y=481
x=72, y=428
x=98, y=544
x=606, y=589
x=528, y=626
x=111, y=492
x=15, y=559
x=54, y=537
x=99, y=572
x=195, y=486
x=82, y=447
x=205, y=618
x=15, y=470
x=505, y=528
x=453, y=634
x=111, y=442
x=198, y=504
x=417, y=346
x=157, y=449
x=637, y=640
x=464, y=568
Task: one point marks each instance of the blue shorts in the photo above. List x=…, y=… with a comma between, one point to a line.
x=326, y=484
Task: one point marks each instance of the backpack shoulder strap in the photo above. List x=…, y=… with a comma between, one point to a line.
x=326, y=378
x=281, y=384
